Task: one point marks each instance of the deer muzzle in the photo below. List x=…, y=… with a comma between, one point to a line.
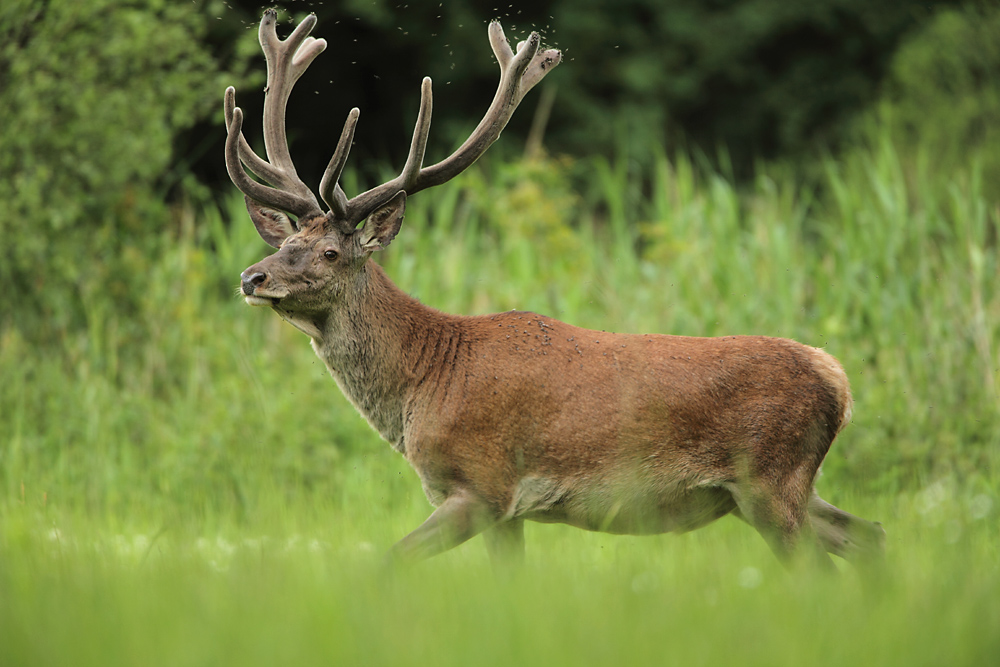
x=257, y=288
x=251, y=279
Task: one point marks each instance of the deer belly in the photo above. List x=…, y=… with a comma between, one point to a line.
x=623, y=510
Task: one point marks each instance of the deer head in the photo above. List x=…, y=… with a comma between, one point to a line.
x=322, y=252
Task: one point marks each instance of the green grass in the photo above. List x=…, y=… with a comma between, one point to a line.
x=182, y=483
x=306, y=588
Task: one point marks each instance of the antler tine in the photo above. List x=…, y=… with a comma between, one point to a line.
x=281, y=199
x=360, y=206
x=246, y=154
x=286, y=61
x=418, y=145
x=519, y=72
x=329, y=187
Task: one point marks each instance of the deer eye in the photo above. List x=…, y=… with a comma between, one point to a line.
x=330, y=254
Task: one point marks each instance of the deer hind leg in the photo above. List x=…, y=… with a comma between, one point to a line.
x=460, y=517
x=778, y=510
x=845, y=535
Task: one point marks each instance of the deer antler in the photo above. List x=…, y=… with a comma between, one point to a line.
x=519, y=72
x=288, y=59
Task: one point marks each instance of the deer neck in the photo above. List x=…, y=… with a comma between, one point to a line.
x=367, y=344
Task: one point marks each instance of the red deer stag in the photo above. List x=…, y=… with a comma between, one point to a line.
x=519, y=416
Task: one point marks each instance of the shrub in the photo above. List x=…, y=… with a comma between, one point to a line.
x=93, y=95
x=943, y=94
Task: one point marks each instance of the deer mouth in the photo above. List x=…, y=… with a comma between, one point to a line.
x=263, y=296
x=255, y=300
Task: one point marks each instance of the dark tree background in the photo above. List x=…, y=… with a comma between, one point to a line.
x=111, y=110
x=759, y=78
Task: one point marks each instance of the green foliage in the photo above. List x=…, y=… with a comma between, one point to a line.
x=93, y=95
x=181, y=395
x=943, y=92
x=167, y=406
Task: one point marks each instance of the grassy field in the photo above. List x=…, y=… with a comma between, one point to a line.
x=182, y=484
x=303, y=586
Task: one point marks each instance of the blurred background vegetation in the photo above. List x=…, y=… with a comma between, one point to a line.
x=825, y=170
x=181, y=482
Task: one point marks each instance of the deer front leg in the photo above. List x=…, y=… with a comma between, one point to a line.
x=460, y=517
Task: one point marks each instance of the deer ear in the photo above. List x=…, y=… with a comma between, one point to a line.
x=274, y=226
x=383, y=224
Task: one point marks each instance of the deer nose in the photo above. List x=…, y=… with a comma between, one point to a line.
x=252, y=280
